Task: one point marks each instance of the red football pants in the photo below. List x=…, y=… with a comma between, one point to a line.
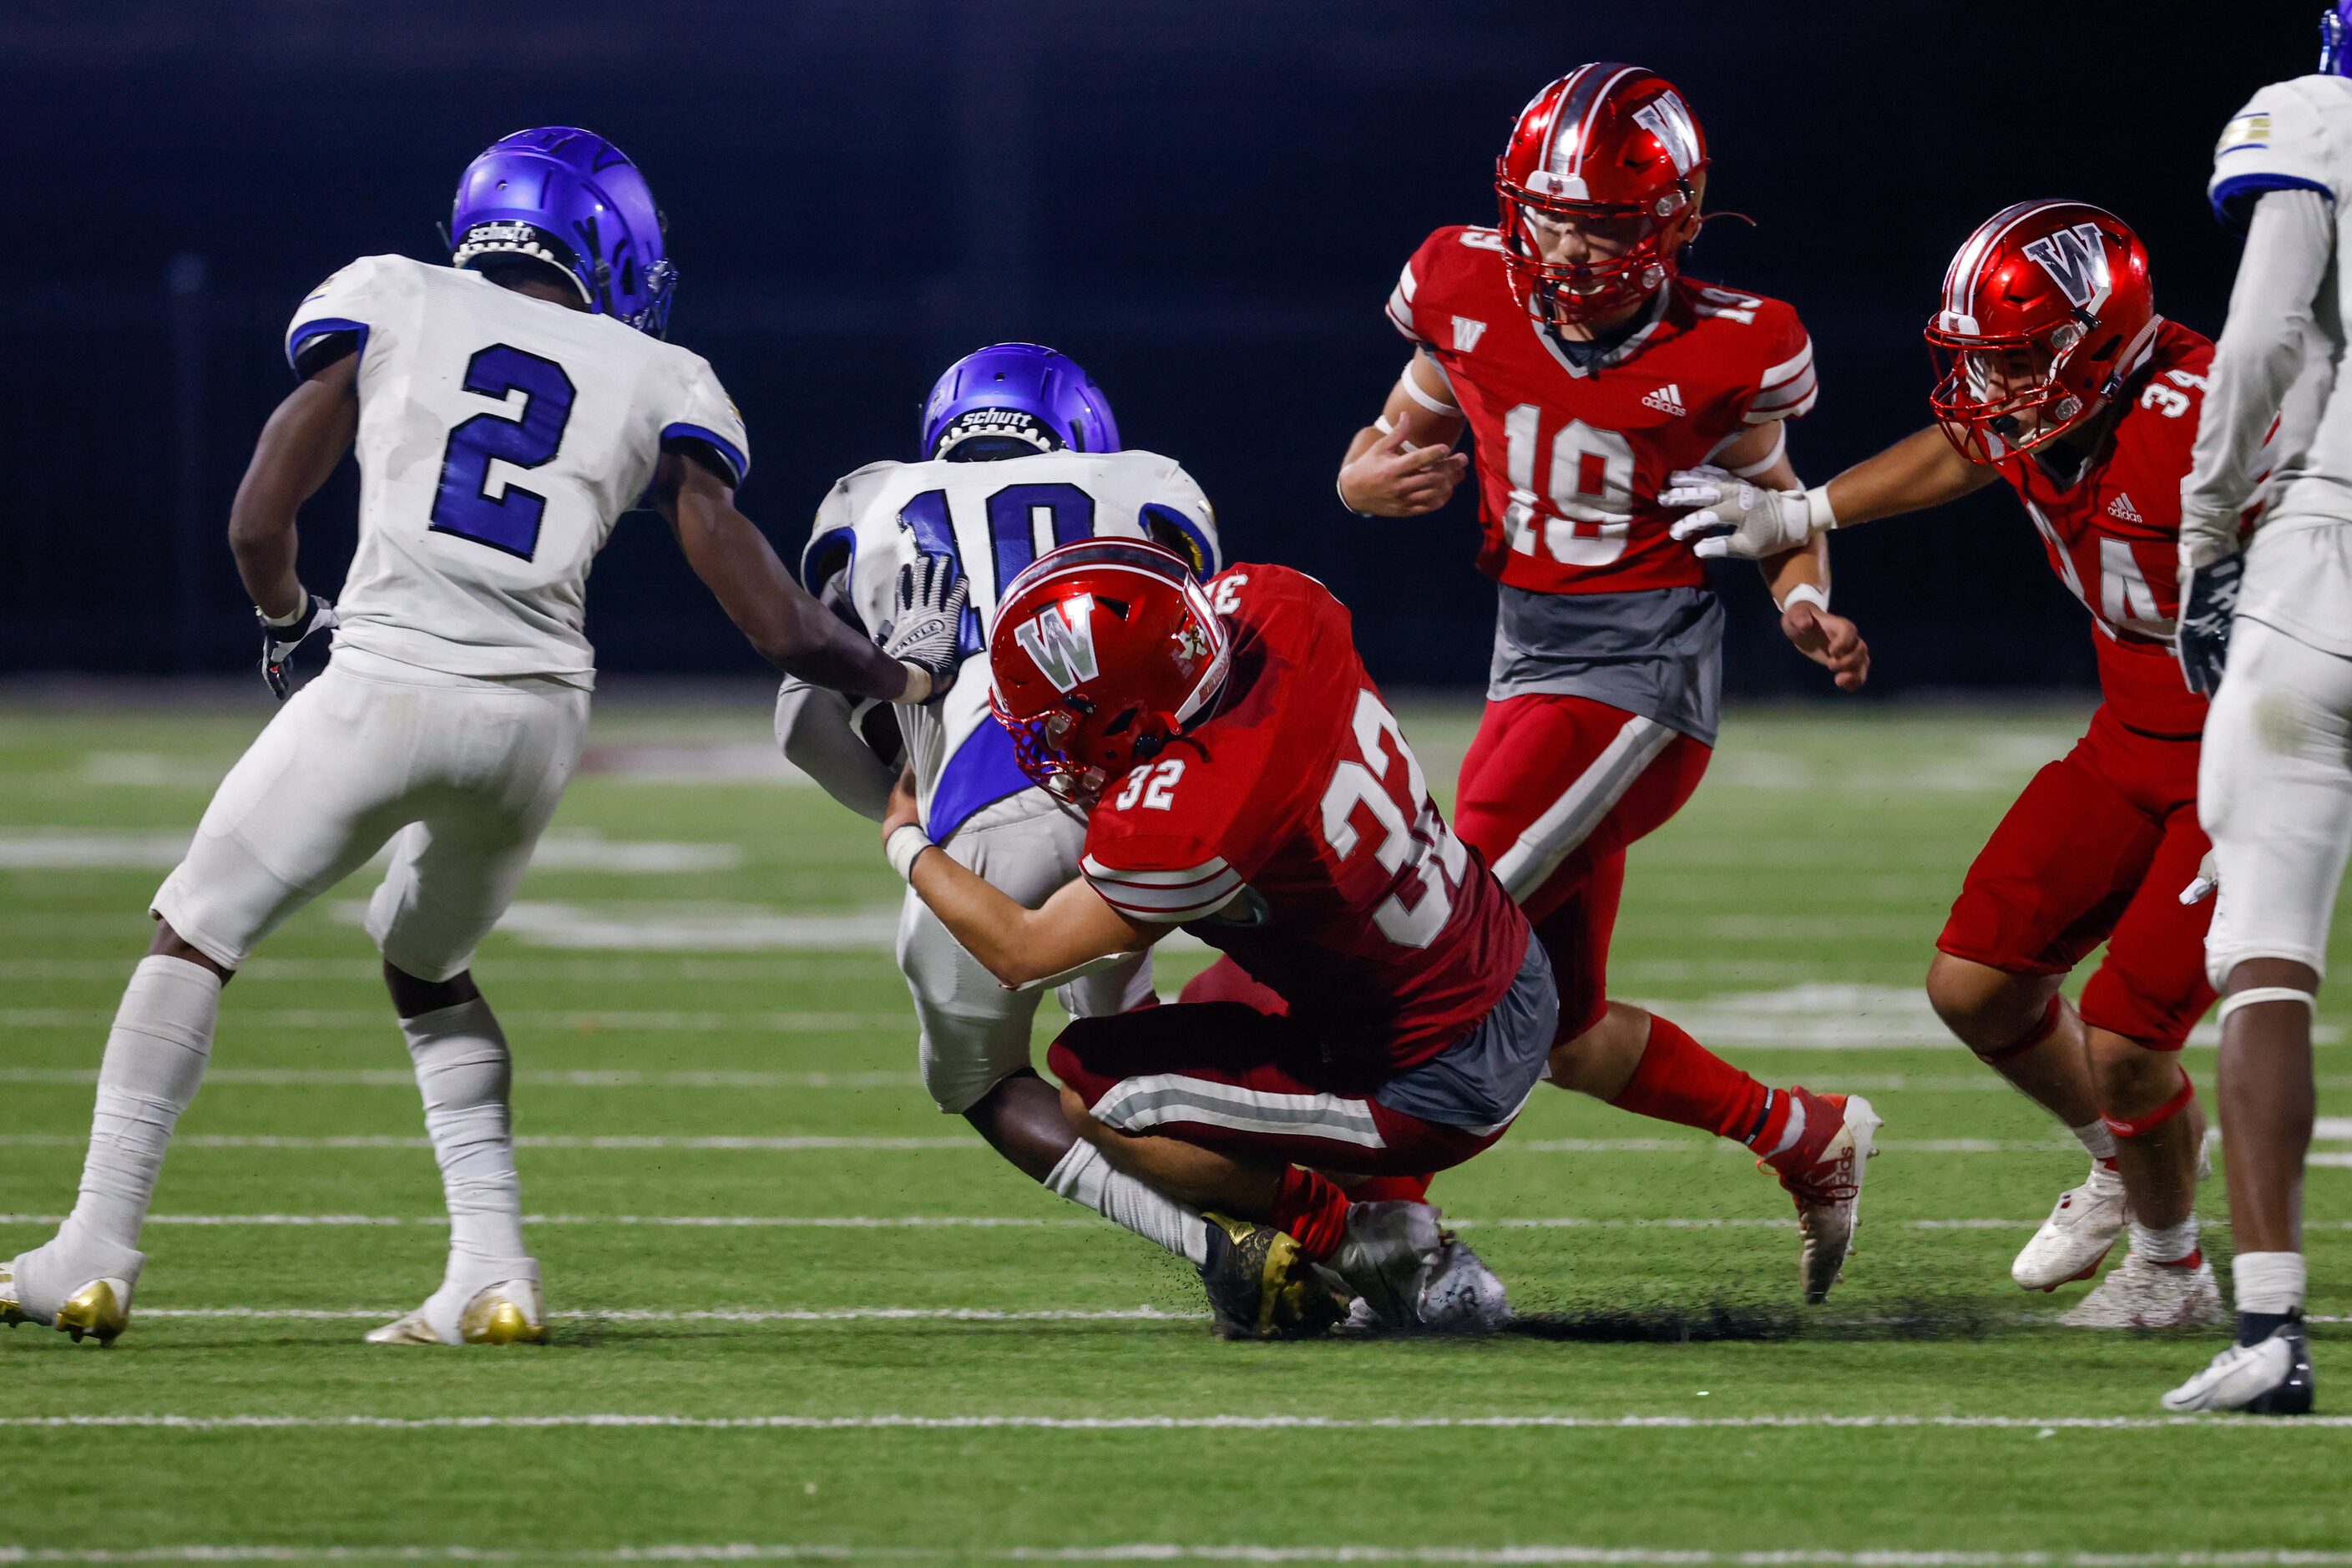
x=1553, y=790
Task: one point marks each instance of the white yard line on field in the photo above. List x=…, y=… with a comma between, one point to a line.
x=1174, y=1551
x=627, y=1020
x=885, y=1421
x=393, y=1077
x=787, y=1144
x=722, y=1315
x=64, y=850
x=1029, y=1222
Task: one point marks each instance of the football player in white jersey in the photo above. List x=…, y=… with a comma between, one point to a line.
x=506, y=410
x=2275, y=789
x=1021, y=454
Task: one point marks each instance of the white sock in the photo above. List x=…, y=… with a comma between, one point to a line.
x=2268, y=1282
x=2166, y=1244
x=155, y=1060
x=2094, y=1136
x=1088, y=1180
x=463, y=1071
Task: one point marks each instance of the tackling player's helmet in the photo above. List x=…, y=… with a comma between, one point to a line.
x=2335, y=31
x=1605, y=141
x=1016, y=398
x=2047, y=312
x=1103, y=651
x=571, y=200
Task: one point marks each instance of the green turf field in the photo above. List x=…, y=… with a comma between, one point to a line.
x=800, y=1312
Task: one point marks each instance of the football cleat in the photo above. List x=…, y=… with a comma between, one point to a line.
x=2271, y=1378
x=1822, y=1173
x=2074, y=1239
x=1261, y=1287
x=87, y=1296
x=2140, y=1294
x=507, y=1314
x=1387, y=1260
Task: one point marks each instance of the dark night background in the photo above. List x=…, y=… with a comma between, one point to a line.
x=1205, y=202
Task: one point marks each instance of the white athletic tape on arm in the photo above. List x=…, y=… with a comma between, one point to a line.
x=1435, y=406
x=1807, y=594
x=1818, y=511
x=906, y=841
x=1780, y=446
x=2254, y=995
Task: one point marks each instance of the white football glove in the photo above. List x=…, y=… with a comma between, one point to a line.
x=927, y=633
x=1743, y=522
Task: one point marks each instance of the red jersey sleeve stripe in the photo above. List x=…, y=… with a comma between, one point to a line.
x=1214, y=866
x=1165, y=903
x=1401, y=306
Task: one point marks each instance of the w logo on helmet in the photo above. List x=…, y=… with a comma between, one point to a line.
x=1061, y=642
x=2077, y=260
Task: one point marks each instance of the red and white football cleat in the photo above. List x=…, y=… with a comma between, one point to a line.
x=1823, y=1171
x=2074, y=1241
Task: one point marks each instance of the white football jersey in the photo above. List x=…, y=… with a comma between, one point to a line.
x=995, y=517
x=2297, y=135
x=501, y=437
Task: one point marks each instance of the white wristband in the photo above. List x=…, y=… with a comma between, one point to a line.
x=906, y=841
x=301, y=610
x=1340, y=486
x=1807, y=594
x=919, y=684
x=1817, y=509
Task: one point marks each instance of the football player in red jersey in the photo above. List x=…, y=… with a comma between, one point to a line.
x=2061, y=379
x=1247, y=783
x=1586, y=369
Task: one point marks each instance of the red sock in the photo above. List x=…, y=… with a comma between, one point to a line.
x=1312, y=1210
x=1394, y=1189
x=1679, y=1079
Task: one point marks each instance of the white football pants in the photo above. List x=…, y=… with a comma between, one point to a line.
x=2274, y=787
x=467, y=773
x=975, y=1033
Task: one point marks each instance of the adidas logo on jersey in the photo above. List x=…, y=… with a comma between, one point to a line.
x=2121, y=509
x=1466, y=334
x=1667, y=399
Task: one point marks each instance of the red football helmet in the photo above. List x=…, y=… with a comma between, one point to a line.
x=1103, y=651
x=2047, y=312
x=1605, y=141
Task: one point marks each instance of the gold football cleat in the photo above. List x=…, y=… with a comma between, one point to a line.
x=99, y=1310
x=507, y=1314
x=10, y=1313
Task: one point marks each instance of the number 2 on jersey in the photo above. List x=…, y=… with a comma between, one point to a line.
x=527, y=438
x=1407, y=843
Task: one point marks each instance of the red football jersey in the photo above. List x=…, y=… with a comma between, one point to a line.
x=1571, y=460
x=1300, y=798
x=2114, y=535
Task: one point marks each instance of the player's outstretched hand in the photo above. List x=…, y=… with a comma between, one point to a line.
x=926, y=632
x=1392, y=477
x=278, y=643
x=1740, y=522
x=1830, y=641
x=2209, y=604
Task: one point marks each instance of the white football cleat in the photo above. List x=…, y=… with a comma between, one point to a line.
x=507, y=1314
x=1823, y=1173
x=1387, y=1260
x=2140, y=1294
x=2272, y=1378
x=2075, y=1238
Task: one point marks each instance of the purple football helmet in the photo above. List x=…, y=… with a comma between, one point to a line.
x=2334, y=28
x=570, y=199
x=1016, y=397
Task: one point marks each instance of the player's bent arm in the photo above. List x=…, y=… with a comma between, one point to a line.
x=1404, y=464
x=1798, y=577
x=300, y=446
x=2290, y=244
x=816, y=730
x=735, y=562
x=1018, y=945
